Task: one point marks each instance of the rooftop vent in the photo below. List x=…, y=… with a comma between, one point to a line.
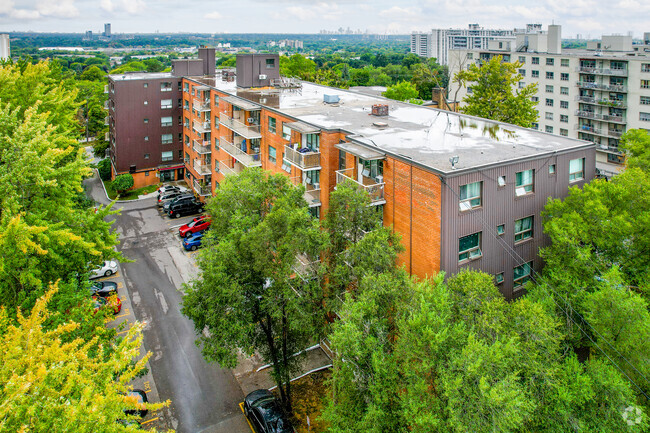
x=380, y=125
x=380, y=110
x=331, y=99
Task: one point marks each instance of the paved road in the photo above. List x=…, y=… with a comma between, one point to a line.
x=204, y=397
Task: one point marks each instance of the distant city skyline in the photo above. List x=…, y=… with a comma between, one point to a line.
x=589, y=18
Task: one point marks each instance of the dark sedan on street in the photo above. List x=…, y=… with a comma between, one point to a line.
x=265, y=413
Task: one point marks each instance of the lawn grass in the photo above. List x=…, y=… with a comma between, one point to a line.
x=128, y=195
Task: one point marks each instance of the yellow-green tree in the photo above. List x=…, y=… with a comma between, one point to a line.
x=51, y=383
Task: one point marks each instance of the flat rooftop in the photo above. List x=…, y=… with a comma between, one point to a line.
x=426, y=136
x=141, y=76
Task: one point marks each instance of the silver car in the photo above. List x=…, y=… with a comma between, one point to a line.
x=108, y=268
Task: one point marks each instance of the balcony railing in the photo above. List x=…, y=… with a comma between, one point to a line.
x=105, y=105
x=201, y=127
x=605, y=102
x=590, y=129
x=106, y=120
x=202, y=169
x=601, y=86
x=246, y=131
x=107, y=137
x=302, y=160
x=105, y=88
x=202, y=190
x=226, y=169
x=201, y=105
x=248, y=159
x=202, y=147
x=375, y=190
x=602, y=71
x=312, y=195
x=305, y=267
x=598, y=116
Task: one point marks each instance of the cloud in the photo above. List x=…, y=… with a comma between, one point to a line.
x=322, y=11
x=213, y=16
x=397, y=13
x=42, y=9
x=107, y=5
x=129, y=6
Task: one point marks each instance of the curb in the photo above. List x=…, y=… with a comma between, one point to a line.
x=116, y=201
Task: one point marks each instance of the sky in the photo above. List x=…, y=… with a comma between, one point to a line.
x=589, y=18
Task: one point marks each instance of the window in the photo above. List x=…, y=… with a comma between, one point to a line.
x=286, y=132
x=498, y=278
x=576, y=169
x=286, y=166
x=564, y=118
x=550, y=61
x=180, y=154
x=564, y=90
x=548, y=115
x=549, y=102
x=645, y=84
x=564, y=104
x=165, y=87
x=146, y=102
x=313, y=142
x=342, y=156
x=645, y=67
x=522, y=72
x=312, y=177
x=146, y=120
x=564, y=132
x=549, y=129
x=180, y=137
x=146, y=138
x=534, y=98
x=522, y=60
x=132, y=169
x=165, y=103
x=522, y=84
x=535, y=60
x=186, y=105
x=564, y=76
x=167, y=139
x=534, y=125
x=167, y=156
x=501, y=181
x=523, y=229
x=534, y=74
x=616, y=159
x=147, y=155
x=470, y=196
x=270, y=63
x=272, y=154
x=549, y=88
x=549, y=75
x=216, y=122
x=551, y=169
x=180, y=120
x=216, y=166
x=524, y=182
x=522, y=274
x=645, y=100
x=564, y=63
x=186, y=122
x=372, y=169
x=166, y=121
x=145, y=85
x=272, y=124
x=180, y=86
x=644, y=116
x=216, y=143
x=501, y=229
x=469, y=247
x=146, y=173
x=186, y=87
x=216, y=100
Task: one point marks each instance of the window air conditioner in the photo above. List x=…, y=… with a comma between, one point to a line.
x=262, y=77
x=251, y=120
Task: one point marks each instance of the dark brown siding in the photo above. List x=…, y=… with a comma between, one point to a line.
x=500, y=206
x=251, y=66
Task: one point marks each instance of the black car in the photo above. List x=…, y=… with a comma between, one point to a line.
x=189, y=207
x=265, y=413
x=181, y=198
x=138, y=399
x=103, y=288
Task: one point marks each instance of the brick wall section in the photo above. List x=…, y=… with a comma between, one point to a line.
x=413, y=209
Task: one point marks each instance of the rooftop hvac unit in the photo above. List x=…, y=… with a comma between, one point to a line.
x=331, y=99
x=263, y=77
x=380, y=110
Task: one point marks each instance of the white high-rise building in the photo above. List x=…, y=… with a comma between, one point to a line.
x=594, y=94
x=438, y=42
x=5, y=51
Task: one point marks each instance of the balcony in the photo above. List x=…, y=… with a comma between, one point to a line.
x=202, y=147
x=246, y=131
x=107, y=137
x=202, y=169
x=601, y=86
x=602, y=102
x=202, y=190
x=598, y=116
x=247, y=159
x=201, y=105
x=106, y=121
x=589, y=128
x=105, y=88
x=312, y=195
x=201, y=127
x=375, y=190
x=305, y=267
x=602, y=71
x=303, y=160
x=229, y=168
x=105, y=105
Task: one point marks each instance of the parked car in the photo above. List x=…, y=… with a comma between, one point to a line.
x=193, y=242
x=198, y=224
x=137, y=398
x=184, y=207
x=169, y=196
x=103, y=288
x=113, y=302
x=168, y=188
x=108, y=268
x=265, y=413
x=179, y=199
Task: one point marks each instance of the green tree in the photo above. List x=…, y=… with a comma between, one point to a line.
x=53, y=382
x=251, y=296
x=401, y=91
x=636, y=142
x=123, y=182
x=297, y=66
x=92, y=73
x=104, y=168
x=495, y=94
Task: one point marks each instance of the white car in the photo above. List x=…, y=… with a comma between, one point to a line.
x=108, y=268
x=169, y=188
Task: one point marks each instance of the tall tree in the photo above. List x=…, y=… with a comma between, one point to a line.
x=249, y=295
x=402, y=91
x=495, y=94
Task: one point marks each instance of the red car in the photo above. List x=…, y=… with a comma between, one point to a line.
x=198, y=224
x=112, y=301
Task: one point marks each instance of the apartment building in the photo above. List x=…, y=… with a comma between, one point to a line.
x=461, y=191
x=5, y=51
x=594, y=94
x=438, y=42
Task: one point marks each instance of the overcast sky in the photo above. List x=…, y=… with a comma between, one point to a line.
x=586, y=17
